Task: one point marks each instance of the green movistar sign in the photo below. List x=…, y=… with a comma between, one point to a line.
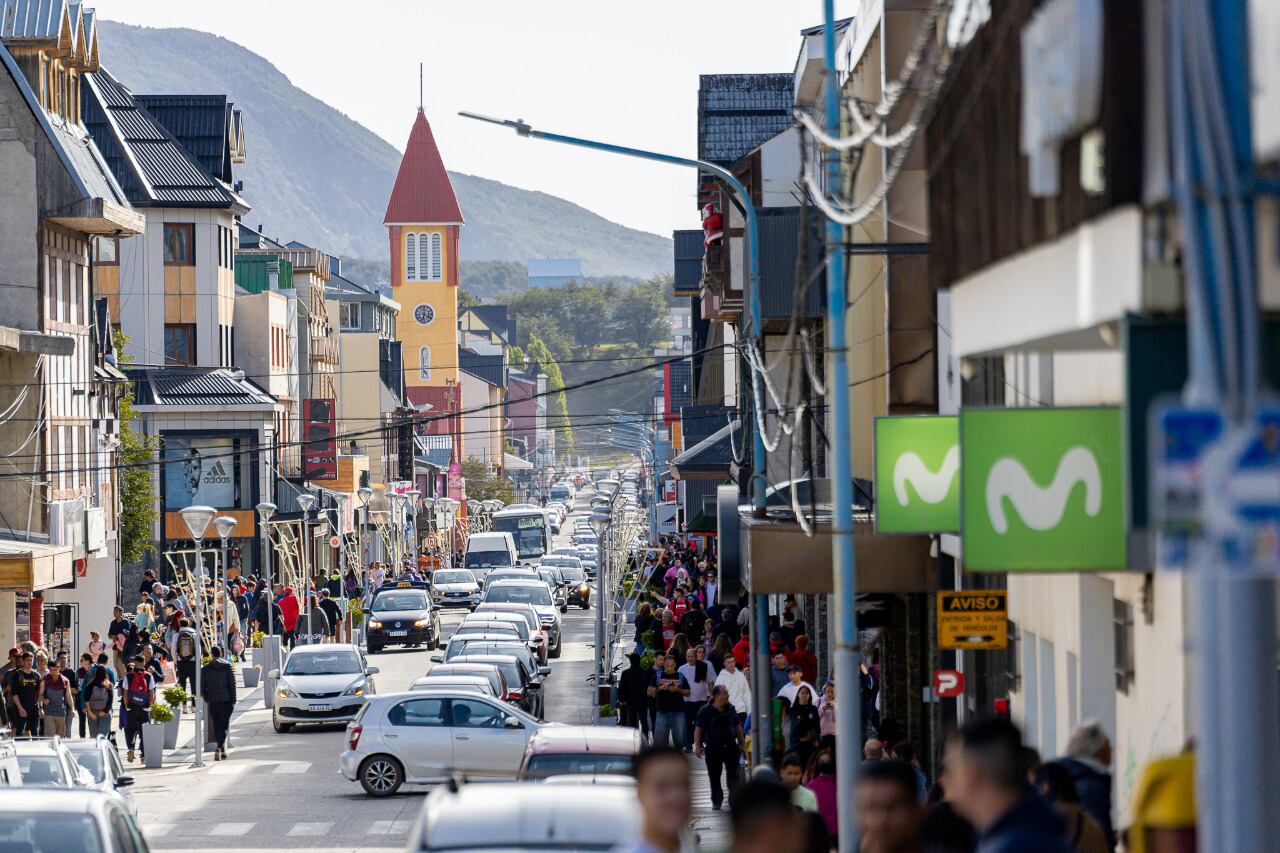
x=917, y=474
x=1042, y=489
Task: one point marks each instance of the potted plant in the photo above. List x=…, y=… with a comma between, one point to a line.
x=153, y=734
x=251, y=676
x=174, y=699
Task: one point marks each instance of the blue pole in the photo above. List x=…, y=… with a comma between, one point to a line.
x=844, y=566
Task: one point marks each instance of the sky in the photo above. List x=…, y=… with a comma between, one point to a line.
x=621, y=72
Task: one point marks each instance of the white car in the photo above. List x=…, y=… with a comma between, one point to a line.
x=83, y=821
x=455, y=588
x=46, y=762
x=572, y=815
x=98, y=757
x=431, y=733
x=466, y=682
x=327, y=683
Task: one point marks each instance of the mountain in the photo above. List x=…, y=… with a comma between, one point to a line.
x=317, y=176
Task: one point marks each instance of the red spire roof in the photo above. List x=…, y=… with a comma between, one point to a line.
x=423, y=193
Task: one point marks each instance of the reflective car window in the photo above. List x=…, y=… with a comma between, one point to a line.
x=46, y=832
x=473, y=714
x=418, y=712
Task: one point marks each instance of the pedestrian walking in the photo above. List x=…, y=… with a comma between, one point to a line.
x=662, y=788
x=96, y=645
x=82, y=676
x=700, y=677
x=735, y=681
x=718, y=738
x=137, y=694
x=55, y=700
x=1053, y=782
x=823, y=785
x=332, y=612
x=24, y=689
x=184, y=652
x=1088, y=759
x=802, y=714
x=668, y=692
x=888, y=814
x=633, y=695
x=218, y=689
x=98, y=697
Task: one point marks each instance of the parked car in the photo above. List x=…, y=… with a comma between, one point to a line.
x=429, y=734
x=536, y=594
x=98, y=757
x=513, y=623
x=584, y=750
x=46, y=762
x=524, y=686
x=455, y=588
x=489, y=672
x=40, y=820
x=475, y=817
x=502, y=643
x=401, y=614
x=328, y=683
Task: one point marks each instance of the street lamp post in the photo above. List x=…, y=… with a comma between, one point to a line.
x=225, y=526
x=601, y=518
x=197, y=519
x=306, y=502
x=412, y=498
x=266, y=510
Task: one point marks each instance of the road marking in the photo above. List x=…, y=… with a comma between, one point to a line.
x=313, y=828
x=292, y=767
x=157, y=830
x=390, y=827
x=231, y=828
x=227, y=769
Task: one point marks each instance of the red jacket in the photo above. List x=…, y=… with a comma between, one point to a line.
x=806, y=660
x=289, y=608
x=742, y=653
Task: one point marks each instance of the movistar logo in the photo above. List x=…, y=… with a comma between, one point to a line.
x=1042, y=509
x=932, y=487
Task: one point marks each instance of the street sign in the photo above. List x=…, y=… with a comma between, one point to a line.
x=948, y=683
x=1042, y=489
x=1179, y=441
x=973, y=619
x=334, y=541
x=1243, y=512
x=917, y=471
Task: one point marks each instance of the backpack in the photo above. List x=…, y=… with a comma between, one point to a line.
x=98, y=698
x=186, y=646
x=139, y=690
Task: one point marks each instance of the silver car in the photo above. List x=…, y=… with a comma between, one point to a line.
x=573, y=815
x=46, y=762
x=99, y=758
x=327, y=683
x=431, y=733
x=83, y=821
x=533, y=592
x=455, y=588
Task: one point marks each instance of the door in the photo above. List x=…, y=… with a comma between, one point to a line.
x=482, y=743
x=417, y=732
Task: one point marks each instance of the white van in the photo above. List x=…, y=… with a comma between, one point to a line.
x=486, y=551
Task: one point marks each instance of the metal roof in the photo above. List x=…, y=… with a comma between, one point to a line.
x=737, y=112
x=423, y=193
x=195, y=386
x=554, y=267
x=713, y=454
x=155, y=169
x=201, y=123
x=487, y=368
x=34, y=20
x=780, y=232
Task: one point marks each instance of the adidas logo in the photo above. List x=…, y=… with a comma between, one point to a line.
x=217, y=470
x=217, y=473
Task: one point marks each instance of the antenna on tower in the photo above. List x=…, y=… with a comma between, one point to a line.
x=420, y=97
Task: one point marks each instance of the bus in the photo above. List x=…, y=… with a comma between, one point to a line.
x=529, y=526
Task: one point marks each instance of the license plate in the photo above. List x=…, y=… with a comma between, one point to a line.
x=320, y=707
x=399, y=633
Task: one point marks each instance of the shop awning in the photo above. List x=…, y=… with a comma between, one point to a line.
x=515, y=463
x=31, y=567
x=711, y=458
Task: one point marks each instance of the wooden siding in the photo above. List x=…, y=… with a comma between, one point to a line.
x=980, y=209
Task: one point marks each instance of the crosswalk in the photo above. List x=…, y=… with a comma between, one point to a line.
x=301, y=829
x=235, y=768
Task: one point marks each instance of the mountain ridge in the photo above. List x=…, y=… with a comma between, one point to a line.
x=314, y=174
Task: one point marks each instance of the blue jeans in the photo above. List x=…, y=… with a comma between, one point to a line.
x=100, y=726
x=669, y=723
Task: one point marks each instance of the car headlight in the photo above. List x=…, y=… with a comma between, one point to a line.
x=284, y=692
x=374, y=623
x=421, y=623
x=356, y=689
x=584, y=589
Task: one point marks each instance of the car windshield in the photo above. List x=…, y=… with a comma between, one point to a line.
x=91, y=760
x=523, y=594
x=594, y=764
x=49, y=832
x=573, y=573
x=454, y=577
x=322, y=663
x=487, y=559
x=42, y=770
x=400, y=601
x=478, y=645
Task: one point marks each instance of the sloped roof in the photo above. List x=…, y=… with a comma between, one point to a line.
x=737, y=112
x=201, y=123
x=33, y=20
x=155, y=169
x=486, y=368
x=195, y=386
x=712, y=455
x=423, y=193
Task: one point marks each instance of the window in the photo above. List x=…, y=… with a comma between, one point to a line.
x=411, y=257
x=474, y=714
x=349, y=315
x=434, y=274
x=108, y=251
x=1123, y=623
x=180, y=244
x=418, y=712
x=180, y=343
x=424, y=363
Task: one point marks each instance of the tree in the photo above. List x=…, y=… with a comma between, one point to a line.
x=515, y=356
x=640, y=316
x=558, y=406
x=137, y=487
x=483, y=484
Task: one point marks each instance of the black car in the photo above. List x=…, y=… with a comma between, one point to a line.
x=578, y=585
x=401, y=614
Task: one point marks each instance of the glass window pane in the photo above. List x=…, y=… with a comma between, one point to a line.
x=474, y=714
x=418, y=712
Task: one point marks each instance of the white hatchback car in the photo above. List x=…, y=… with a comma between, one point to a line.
x=327, y=683
x=430, y=734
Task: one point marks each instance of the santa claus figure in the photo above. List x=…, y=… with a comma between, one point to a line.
x=712, y=225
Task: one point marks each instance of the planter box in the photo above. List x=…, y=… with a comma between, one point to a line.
x=153, y=744
x=251, y=675
x=258, y=657
x=171, y=730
